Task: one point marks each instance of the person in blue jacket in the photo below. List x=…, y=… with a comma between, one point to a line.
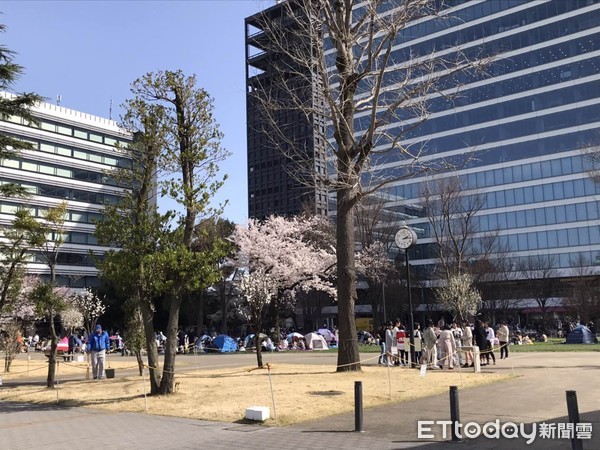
x=98, y=343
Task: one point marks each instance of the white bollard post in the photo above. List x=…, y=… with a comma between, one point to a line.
x=476, y=359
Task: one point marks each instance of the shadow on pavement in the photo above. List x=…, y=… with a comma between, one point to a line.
x=14, y=407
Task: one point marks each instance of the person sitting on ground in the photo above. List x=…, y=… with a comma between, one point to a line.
x=527, y=340
x=302, y=344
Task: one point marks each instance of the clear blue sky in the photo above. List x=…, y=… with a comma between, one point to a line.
x=89, y=52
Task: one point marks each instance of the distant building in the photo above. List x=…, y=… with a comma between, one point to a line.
x=71, y=152
x=277, y=184
x=524, y=126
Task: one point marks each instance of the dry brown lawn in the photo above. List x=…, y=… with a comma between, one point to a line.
x=301, y=392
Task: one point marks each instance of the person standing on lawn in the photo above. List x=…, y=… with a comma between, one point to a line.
x=503, y=338
x=98, y=344
x=430, y=340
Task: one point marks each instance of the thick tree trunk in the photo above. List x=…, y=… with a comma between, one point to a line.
x=153, y=363
x=53, y=347
x=258, y=346
x=348, y=356
x=168, y=379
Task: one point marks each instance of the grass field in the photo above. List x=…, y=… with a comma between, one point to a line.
x=554, y=345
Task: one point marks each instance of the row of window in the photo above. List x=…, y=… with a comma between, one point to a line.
x=524, y=61
x=539, y=216
x=525, y=172
x=59, y=171
x=535, y=217
x=68, y=130
x=522, y=242
x=494, y=153
x=65, y=193
x=568, y=70
x=507, y=22
x=537, y=102
x=77, y=153
x=73, y=281
x=558, y=261
x=434, y=25
x=72, y=216
x=541, y=193
x=461, y=138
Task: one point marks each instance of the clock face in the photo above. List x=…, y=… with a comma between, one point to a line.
x=404, y=238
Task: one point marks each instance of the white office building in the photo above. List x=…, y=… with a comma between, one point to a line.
x=70, y=160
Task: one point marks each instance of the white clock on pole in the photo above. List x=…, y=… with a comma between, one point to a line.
x=405, y=237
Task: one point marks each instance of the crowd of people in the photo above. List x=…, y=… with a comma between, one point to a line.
x=443, y=345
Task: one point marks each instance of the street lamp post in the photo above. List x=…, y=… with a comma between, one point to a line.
x=406, y=238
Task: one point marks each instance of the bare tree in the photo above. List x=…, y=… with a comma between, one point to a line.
x=333, y=62
x=376, y=226
x=584, y=300
x=452, y=218
x=461, y=247
x=498, y=287
x=539, y=272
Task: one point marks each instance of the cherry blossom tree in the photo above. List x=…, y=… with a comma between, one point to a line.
x=90, y=306
x=257, y=290
x=71, y=319
x=291, y=251
x=13, y=320
x=459, y=296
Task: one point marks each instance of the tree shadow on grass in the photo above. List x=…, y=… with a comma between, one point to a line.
x=90, y=403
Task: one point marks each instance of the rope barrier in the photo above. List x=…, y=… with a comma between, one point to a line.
x=196, y=367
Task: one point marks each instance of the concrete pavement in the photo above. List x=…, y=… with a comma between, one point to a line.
x=537, y=395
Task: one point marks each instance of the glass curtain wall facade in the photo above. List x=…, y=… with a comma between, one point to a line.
x=524, y=127
x=72, y=152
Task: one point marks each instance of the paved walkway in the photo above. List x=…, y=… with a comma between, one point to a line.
x=537, y=395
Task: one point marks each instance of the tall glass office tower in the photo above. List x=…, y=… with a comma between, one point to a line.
x=525, y=127
x=71, y=157
x=517, y=135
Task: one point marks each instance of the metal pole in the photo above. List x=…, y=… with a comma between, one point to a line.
x=358, y=407
x=573, y=409
x=454, y=412
x=410, y=310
